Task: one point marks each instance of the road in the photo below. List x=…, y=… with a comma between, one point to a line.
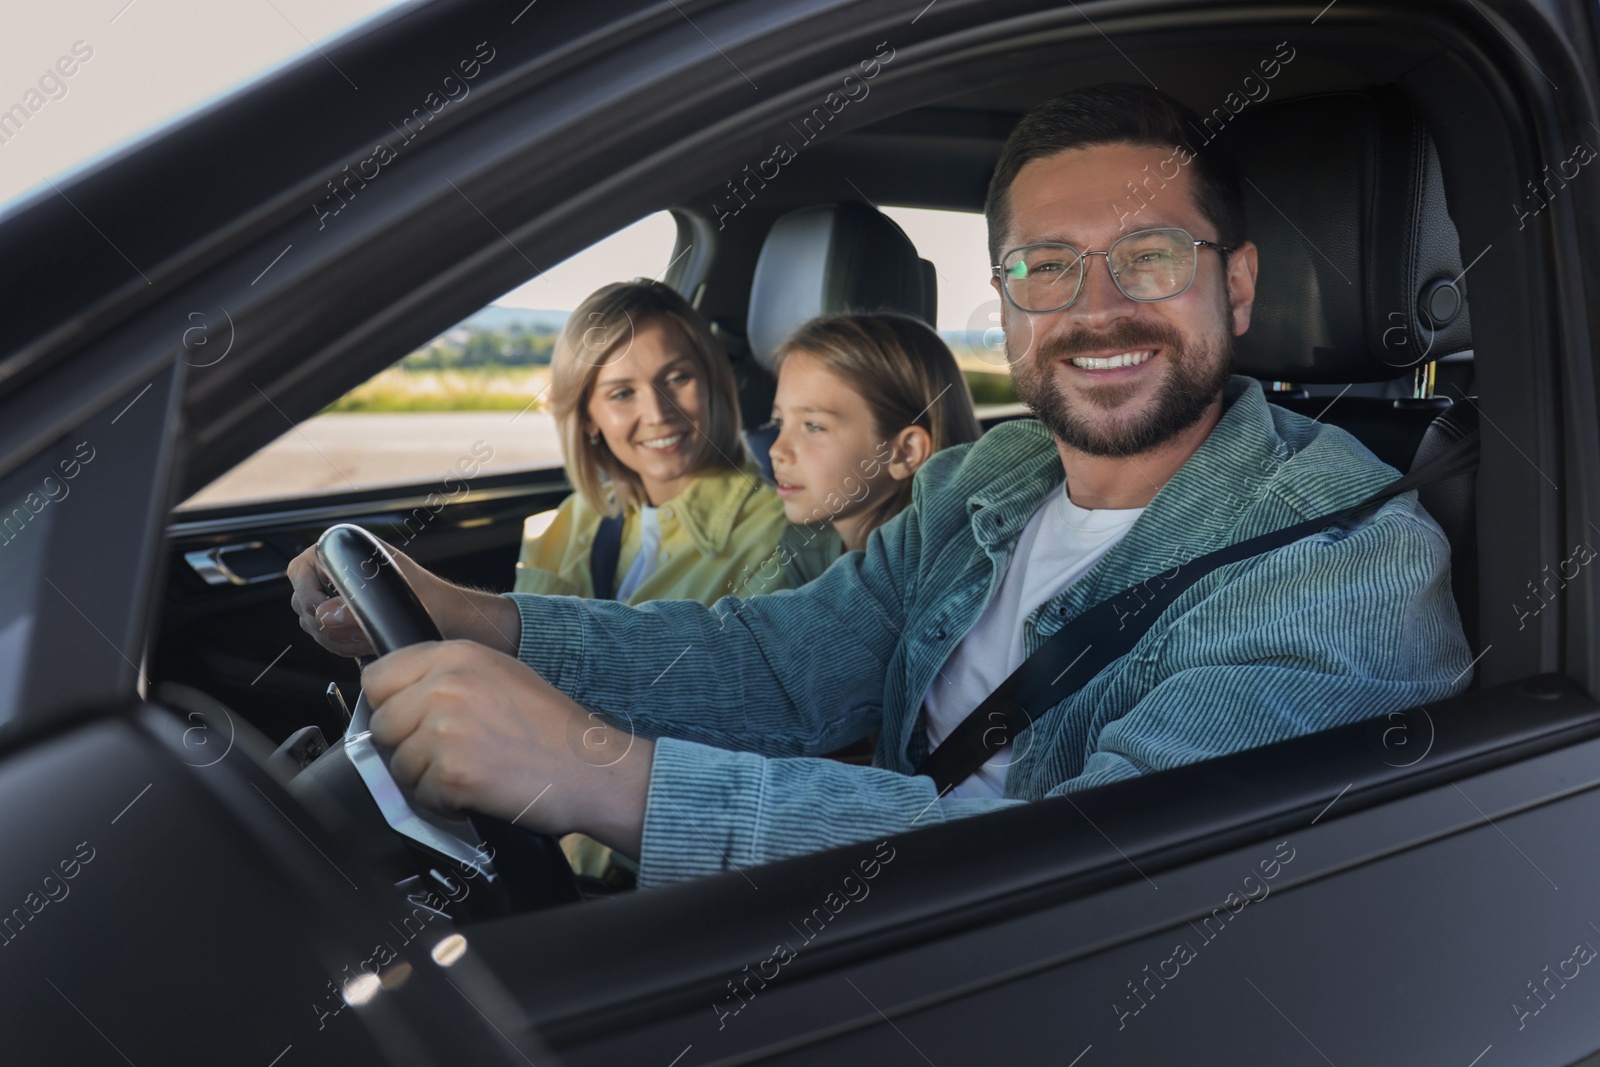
x=330, y=453
x=341, y=452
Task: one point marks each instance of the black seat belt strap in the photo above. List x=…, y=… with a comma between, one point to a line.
x=1088, y=644
x=603, y=555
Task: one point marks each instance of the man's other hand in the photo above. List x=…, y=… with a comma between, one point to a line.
x=475, y=729
x=487, y=618
x=323, y=613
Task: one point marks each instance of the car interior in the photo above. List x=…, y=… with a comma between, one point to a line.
x=1391, y=304
x=1356, y=251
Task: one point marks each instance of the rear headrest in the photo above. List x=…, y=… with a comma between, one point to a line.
x=832, y=258
x=1358, y=252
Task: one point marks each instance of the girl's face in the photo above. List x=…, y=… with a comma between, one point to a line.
x=650, y=406
x=829, y=459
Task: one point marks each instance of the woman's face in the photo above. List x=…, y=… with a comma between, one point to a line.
x=649, y=403
x=828, y=459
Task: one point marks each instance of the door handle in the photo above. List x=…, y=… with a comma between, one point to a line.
x=211, y=565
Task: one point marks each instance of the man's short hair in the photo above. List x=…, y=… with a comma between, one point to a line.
x=1117, y=113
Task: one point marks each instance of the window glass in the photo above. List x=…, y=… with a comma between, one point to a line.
x=956, y=242
x=471, y=400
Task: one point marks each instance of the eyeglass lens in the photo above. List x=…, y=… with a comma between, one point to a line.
x=1149, y=265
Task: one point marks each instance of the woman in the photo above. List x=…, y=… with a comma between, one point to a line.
x=668, y=504
x=863, y=400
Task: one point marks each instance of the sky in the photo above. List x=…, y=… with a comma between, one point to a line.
x=149, y=62
x=137, y=65
x=958, y=244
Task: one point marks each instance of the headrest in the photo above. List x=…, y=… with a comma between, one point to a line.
x=833, y=258
x=1360, y=264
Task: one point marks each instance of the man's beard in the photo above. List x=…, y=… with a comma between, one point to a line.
x=1195, y=376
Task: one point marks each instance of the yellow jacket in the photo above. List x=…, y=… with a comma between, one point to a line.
x=716, y=537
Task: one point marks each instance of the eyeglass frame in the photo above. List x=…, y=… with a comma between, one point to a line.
x=998, y=269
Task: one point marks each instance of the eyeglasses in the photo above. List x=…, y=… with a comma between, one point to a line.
x=1146, y=265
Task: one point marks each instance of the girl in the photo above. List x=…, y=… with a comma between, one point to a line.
x=668, y=504
x=863, y=400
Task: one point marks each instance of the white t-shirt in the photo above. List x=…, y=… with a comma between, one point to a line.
x=1060, y=543
x=644, y=564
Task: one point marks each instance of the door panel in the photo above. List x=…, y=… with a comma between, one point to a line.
x=1421, y=957
x=1389, y=914
x=243, y=645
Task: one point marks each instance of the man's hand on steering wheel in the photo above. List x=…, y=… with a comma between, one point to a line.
x=475, y=729
x=470, y=614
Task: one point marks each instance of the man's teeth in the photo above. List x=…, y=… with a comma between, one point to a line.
x=1124, y=359
x=662, y=442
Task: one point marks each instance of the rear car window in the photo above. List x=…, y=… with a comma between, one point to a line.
x=956, y=243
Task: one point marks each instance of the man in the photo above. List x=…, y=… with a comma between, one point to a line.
x=1146, y=453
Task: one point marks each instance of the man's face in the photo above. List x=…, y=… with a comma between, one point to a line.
x=1183, y=347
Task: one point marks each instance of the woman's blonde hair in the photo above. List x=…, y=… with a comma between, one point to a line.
x=906, y=374
x=599, y=332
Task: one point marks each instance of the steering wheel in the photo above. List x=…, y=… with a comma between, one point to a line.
x=349, y=786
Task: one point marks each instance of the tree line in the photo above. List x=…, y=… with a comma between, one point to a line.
x=515, y=346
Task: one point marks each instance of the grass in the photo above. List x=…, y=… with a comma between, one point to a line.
x=987, y=375
x=476, y=389
x=990, y=387
x=511, y=388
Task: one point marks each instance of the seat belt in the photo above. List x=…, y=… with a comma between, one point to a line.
x=1088, y=644
x=603, y=555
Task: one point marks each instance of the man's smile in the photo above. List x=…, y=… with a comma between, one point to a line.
x=1112, y=363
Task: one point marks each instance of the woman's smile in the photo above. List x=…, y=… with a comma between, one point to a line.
x=665, y=444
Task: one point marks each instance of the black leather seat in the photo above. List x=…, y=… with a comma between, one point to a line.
x=1453, y=505
x=1361, y=276
x=827, y=259
x=1361, y=282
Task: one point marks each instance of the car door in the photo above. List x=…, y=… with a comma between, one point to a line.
x=1400, y=919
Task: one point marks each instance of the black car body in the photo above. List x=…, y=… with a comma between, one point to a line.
x=1421, y=888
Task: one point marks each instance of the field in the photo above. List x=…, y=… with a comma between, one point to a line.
x=989, y=384
x=408, y=426
x=465, y=389
x=491, y=388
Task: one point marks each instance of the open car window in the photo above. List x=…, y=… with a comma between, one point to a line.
x=477, y=391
